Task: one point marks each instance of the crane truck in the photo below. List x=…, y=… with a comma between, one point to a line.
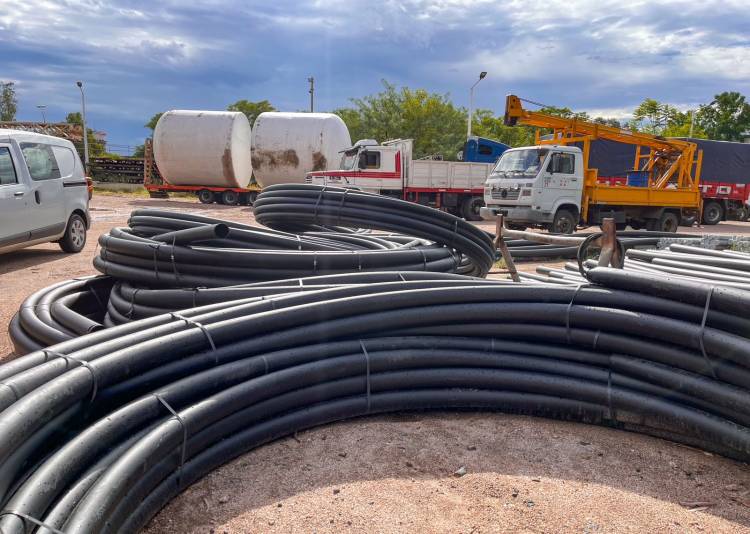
x=551, y=185
x=389, y=169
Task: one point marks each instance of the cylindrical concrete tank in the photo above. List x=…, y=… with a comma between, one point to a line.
x=288, y=145
x=203, y=148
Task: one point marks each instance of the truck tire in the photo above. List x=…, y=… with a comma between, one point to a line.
x=74, y=238
x=743, y=214
x=470, y=208
x=205, y=196
x=668, y=222
x=229, y=197
x=713, y=213
x=688, y=221
x=563, y=223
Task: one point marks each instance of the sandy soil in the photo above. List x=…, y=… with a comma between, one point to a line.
x=396, y=473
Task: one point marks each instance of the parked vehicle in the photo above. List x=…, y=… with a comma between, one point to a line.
x=389, y=169
x=553, y=185
x=482, y=150
x=725, y=180
x=43, y=192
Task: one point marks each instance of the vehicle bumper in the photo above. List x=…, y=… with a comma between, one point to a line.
x=519, y=214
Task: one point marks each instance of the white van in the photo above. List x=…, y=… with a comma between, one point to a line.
x=43, y=192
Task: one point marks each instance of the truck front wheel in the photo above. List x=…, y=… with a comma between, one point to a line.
x=713, y=213
x=563, y=223
x=470, y=208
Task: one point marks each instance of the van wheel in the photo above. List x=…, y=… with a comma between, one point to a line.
x=713, y=213
x=470, y=208
x=563, y=223
x=205, y=196
x=229, y=197
x=74, y=238
x=668, y=222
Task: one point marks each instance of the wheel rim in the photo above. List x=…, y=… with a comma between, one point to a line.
x=77, y=233
x=564, y=225
x=713, y=214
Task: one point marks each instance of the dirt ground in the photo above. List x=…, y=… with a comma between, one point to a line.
x=396, y=473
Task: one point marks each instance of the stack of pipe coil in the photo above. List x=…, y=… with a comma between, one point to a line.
x=523, y=249
x=157, y=262
x=99, y=432
x=719, y=268
x=167, y=249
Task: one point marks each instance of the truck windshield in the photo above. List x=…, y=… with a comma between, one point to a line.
x=349, y=160
x=526, y=162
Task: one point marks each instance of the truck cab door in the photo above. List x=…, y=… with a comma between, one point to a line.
x=15, y=222
x=560, y=181
x=47, y=202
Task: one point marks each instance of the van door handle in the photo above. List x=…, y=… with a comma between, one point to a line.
x=36, y=196
x=18, y=194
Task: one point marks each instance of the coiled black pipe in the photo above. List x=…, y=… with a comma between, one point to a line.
x=167, y=249
x=660, y=358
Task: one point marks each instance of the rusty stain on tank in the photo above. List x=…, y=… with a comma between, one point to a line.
x=226, y=166
x=319, y=161
x=275, y=158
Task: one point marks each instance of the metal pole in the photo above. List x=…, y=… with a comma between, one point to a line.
x=42, y=108
x=692, y=120
x=312, y=93
x=471, y=102
x=85, y=131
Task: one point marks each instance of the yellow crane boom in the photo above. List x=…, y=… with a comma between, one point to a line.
x=673, y=166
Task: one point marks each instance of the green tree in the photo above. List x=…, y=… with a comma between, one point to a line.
x=727, y=118
x=614, y=123
x=251, y=109
x=97, y=148
x=151, y=124
x=8, y=102
x=431, y=119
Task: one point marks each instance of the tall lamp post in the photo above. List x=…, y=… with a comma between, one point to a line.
x=311, y=80
x=471, y=101
x=85, y=131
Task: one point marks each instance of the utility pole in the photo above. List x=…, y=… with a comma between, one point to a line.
x=312, y=93
x=42, y=108
x=85, y=131
x=471, y=101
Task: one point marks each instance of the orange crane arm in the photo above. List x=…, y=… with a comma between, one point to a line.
x=666, y=160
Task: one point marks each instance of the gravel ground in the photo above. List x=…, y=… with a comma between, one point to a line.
x=396, y=473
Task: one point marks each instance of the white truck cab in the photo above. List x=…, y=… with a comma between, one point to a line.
x=536, y=186
x=43, y=192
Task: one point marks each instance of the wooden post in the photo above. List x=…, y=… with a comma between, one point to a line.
x=503, y=248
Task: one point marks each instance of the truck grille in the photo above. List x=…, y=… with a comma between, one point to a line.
x=308, y=179
x=510, y=194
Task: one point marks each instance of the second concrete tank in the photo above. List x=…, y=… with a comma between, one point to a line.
x=210, y=148
x=288, y=145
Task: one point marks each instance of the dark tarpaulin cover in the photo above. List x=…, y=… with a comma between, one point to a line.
x=723, y=161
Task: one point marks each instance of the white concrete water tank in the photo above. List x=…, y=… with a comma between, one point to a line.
x=288, y=145
x=209, y=148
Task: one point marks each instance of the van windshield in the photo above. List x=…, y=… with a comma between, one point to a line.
x=526, y=162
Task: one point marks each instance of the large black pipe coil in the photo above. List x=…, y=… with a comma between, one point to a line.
x=168, y=249
x=89, y=441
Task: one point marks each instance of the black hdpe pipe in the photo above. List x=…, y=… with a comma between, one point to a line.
x=168, y=249
x=256, y=369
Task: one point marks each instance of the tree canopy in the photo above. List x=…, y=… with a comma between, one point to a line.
x=96, y=148
x=251, y=109
x=8, y=102
x=727, y=118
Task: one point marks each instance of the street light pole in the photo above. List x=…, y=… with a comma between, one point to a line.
x=312, y=93
x=85, y=131
x=471, y=101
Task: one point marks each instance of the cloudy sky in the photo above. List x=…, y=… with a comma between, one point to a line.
x=140, y=57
